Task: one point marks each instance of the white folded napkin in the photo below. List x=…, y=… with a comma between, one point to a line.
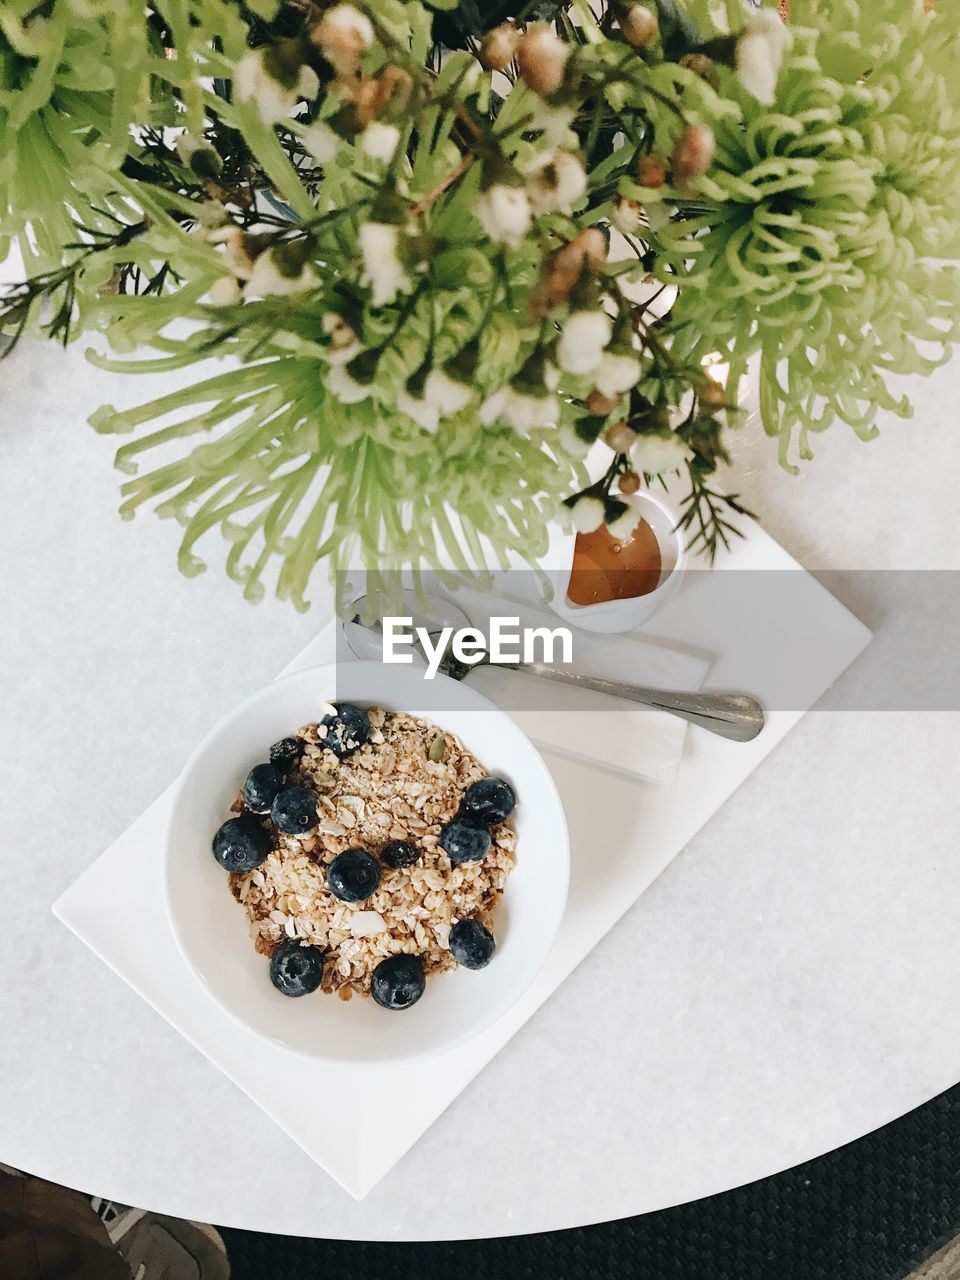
x=592, y=728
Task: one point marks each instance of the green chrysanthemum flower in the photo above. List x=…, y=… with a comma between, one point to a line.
x=826, y=216
x=75, y=76
x=70, y=77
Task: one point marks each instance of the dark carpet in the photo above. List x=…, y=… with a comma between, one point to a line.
x=871, y=1211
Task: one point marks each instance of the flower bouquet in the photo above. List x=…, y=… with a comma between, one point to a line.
x=421, y=256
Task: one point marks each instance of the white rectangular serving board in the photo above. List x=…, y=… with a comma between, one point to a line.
x=623, y=834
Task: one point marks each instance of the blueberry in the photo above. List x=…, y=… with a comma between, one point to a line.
x=399, y=853
x=464, y=843
x=261, y=787
x=296, y=970
x=471, y=944
x=347, y=731
x=353, y=875
x=295, y=810
x=487, y=802
x=286, y=753
x=241, y=844
x=398, y=982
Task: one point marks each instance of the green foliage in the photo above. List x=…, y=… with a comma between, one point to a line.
x=395, y=279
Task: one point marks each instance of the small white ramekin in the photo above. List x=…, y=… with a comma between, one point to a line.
x=624, y=615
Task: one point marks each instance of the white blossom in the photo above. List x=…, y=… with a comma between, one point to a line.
x=420, y=410
x=225, y=292
x=652, y=455
x=343, y=35
x=616, y=373
x=344, y=344
x=587, y=514
x=759, y=54
x=383, y=270
x=505, y=214
x=625, y=214
x=553, y=122
x=448, y=395
x=572, y=443
x=347, y=20
x=380, y=140
x=321, y=141
x=494, y=407
x=582, y=340
x=345, y=388
x=268, y=276
x=555, y=181
x=252, y=82
x=625, y=524
x=525, y=412
x=520, y=409
x=236, y=255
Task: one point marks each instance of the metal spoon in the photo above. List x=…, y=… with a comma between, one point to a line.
x=736, y=716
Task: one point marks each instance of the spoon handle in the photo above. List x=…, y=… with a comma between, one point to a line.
x=736, y=716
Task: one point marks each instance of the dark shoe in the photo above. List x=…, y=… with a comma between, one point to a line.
x=50, y=1233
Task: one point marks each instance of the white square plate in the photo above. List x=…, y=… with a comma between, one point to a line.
x=623, y=834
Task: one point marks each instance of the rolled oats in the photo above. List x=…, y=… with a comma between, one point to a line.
x=389, y=789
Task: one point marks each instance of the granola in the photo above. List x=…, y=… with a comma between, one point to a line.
x=404, y=783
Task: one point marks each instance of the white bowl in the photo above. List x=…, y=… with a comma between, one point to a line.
x=211, y=928
x=623, y=615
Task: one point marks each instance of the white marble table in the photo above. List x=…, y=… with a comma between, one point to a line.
x=818, y=905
